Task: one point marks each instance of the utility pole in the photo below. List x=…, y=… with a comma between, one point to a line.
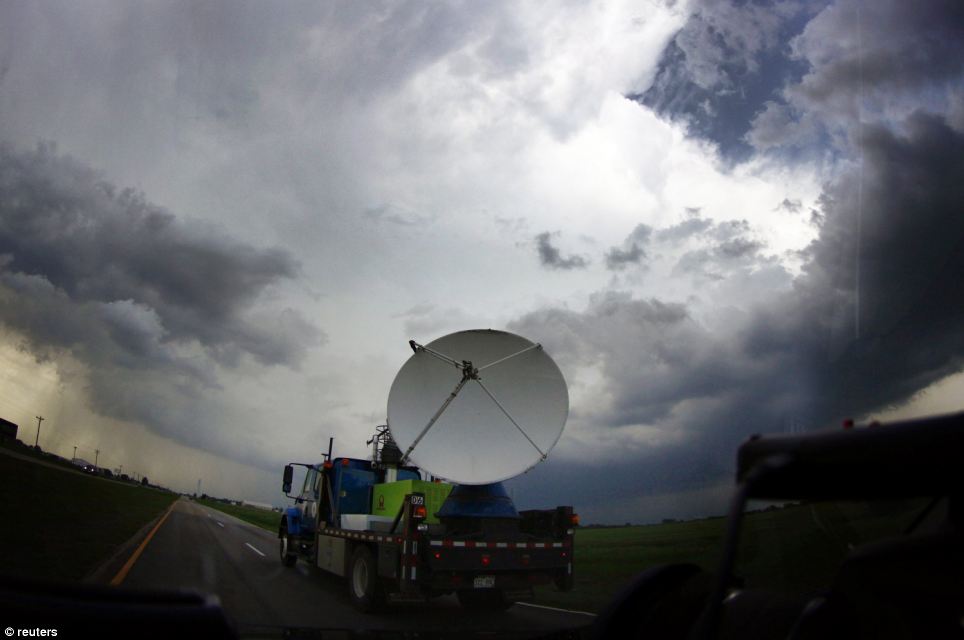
x=36, y=442
x=96, y=455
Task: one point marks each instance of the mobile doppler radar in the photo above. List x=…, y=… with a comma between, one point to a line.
x=427, y=514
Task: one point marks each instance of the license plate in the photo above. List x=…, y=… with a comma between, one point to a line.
x=484, y=582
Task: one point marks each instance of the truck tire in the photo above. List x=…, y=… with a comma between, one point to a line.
x=286, y=547
x=364, y=588
x=484, y=599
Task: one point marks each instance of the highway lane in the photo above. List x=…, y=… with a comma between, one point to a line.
x=204, y=549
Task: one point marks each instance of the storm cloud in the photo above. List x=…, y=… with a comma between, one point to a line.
x=865, y=62
x=806, y=356
x=150, y=304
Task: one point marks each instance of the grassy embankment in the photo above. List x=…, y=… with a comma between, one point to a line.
x=793, y=550
x=60, y=525
x=260, y=517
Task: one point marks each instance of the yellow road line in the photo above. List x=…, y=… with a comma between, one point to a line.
x=119, y=578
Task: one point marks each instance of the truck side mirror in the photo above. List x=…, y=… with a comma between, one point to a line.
x=286, y=482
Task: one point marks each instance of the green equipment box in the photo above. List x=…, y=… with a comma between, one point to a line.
x=387, y=498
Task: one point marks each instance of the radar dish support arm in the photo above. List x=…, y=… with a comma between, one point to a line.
x=517, y=353
x=416, y=347
x=511, y=419
x=431, y=422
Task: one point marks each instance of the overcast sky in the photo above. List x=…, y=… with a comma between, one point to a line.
x=221, y=222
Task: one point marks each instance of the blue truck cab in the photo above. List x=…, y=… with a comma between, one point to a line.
x=347, y=491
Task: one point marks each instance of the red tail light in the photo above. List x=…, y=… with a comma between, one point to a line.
x=486, y=560
x=574, y=519
x=420, y=512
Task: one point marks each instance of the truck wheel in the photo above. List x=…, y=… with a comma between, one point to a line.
x=365, y=590
x=484, y=599
x=286, y=548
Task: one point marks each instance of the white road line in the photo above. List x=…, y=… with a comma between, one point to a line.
x=220, y=524
x=541, y=606
x=248, y=545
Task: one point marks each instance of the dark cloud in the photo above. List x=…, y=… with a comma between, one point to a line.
x=891, y=46
x=886, y=58
x=98, y=244
x=550, y=256
x=617, y=258
x=632, y=251
x=739, y=248
x=790, y=206
x=149, y=304
x=716, y=260
x=721, y=247
x=805, y=356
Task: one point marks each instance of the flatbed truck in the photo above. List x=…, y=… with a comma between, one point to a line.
x=414, y=552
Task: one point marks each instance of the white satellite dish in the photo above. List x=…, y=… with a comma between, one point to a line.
x=477, y=407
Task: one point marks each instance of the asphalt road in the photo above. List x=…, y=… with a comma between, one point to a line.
x=210, y=551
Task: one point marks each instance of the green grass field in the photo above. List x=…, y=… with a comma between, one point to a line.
x=605, y=559
x=792, y=550
x=60, y=525
x=260, y=517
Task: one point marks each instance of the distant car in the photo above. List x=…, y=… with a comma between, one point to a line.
x=89, y=468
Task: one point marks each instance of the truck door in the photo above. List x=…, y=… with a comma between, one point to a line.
x=307, y=502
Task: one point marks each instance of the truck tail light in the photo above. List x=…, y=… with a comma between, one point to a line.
x=420, y=512
x=486, y=560
x=438, y=555
x=574, y=519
